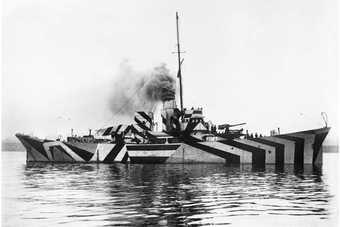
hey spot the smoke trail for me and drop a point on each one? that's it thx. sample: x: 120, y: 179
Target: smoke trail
x: 134, y: 91
x: 160, y: 86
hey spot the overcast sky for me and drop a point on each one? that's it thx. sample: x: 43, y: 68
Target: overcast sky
x: 268, y: 63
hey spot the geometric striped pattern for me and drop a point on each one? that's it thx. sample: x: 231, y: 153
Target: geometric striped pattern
x: 112, y: 130
x: 57, y: 151
x: 143, y: 121
x: 294, y: 148
x: 258, y: 154
x: 299, y: 148
x: 151, y: 153
x: 278, y: 148
x: 143, y: 124
x: 230, y: 158
x: 193, y: 113
x: 112, y: 155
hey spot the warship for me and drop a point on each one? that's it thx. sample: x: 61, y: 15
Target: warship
x: 186, y: 137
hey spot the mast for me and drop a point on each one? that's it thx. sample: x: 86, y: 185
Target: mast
x: 179, y: 74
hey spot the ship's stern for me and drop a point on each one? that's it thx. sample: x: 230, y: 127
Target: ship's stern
x: 35, y: 151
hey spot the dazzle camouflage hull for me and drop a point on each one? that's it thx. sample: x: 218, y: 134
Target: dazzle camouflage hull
x: 299, y: 148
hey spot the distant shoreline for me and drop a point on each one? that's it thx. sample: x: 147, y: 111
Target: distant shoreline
x: 12, y: 146
x: 330, y: 148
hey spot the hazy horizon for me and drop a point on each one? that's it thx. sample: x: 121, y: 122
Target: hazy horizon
x: 270, y: 64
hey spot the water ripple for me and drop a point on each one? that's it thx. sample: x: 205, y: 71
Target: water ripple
x: 162, y: 195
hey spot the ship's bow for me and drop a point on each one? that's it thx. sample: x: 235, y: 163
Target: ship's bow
x: 308, y: 145
x: 320, y: 136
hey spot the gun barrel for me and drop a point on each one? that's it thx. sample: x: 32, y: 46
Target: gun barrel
x: 228, y: 125
x: 237, y: 124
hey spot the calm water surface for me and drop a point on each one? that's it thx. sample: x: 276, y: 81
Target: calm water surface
x: 169, y: 195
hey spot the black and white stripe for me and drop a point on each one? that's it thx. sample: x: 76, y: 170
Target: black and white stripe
x: 143, y: 121
x: 294, y: 148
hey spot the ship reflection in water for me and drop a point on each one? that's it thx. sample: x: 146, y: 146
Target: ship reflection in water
x: 117, y: 194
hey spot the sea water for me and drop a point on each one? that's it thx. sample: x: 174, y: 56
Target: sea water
x: 170, y: 195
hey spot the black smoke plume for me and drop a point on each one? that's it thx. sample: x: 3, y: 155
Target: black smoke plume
x: 135, y: 91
